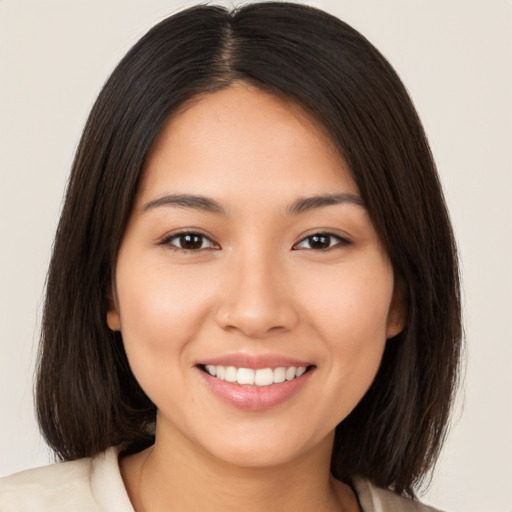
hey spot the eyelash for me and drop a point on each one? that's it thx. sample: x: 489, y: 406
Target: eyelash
x: 201, y: 238
x: 340, y: 241
x: 167, y: 241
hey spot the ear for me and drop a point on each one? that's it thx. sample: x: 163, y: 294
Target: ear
x: 113, y: 317
x: 397, y: 313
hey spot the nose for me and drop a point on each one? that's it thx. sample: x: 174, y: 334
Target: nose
x: 257, y: 299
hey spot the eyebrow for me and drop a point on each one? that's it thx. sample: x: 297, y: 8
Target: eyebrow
x: 311, y: 203
x: 186, y: 201
x: 209, y: 205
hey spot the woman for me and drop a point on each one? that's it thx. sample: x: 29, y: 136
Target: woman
x: 253, y: 300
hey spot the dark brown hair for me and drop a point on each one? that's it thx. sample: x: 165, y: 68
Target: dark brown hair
x: 87, y: 396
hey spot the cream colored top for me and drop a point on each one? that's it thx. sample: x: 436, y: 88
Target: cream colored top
x: 95, y: 485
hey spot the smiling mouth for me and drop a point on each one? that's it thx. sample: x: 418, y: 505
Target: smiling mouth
x: 260, y: 377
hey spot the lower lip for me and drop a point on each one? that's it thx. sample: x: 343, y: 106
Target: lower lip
x: 255, y: 398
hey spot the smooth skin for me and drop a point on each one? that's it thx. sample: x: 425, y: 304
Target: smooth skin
x: 249, y: 268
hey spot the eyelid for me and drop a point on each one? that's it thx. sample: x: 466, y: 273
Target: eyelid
x: 343, y: 241
x: 165, y: 241
x: 168, y: 238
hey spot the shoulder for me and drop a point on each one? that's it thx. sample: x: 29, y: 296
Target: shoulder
x: 64, y: 486
x: 375, y: 499
x: 85, y: 485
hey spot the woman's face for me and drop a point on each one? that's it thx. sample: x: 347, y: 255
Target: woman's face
x: 249, y: 257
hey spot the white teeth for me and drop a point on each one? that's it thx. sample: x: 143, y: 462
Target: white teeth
x: 290, y: 373
x: 279, y: 375
x: 220, y: 371
x: 260, y: 377
x: 211, y: 369
x: 300, y: 371
x: 230, y: 374
x: 245, y: 376
x: 264, y: 377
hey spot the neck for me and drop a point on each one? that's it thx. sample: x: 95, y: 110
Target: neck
x: 166, y: 477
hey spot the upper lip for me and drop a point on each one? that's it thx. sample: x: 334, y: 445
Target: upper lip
x: 255, y: 362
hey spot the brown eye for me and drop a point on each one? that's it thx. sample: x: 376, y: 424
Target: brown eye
x: 189, y: 242
x: 321, y: 242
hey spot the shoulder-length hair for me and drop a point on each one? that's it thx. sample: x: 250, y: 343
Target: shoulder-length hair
x: 87, y: 397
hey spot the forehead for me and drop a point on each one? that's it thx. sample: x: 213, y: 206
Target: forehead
x: 239, y: 135
x: 237, y: 104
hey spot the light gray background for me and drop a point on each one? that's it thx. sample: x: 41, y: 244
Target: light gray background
x: 455, y: 56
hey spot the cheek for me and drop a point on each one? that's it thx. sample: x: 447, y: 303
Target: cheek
x: 349, y: 311
x: 153, y: 296
x: 352, y: 303
x: 160, y: 310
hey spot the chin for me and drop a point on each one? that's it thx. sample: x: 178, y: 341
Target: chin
x: 264, y: 447
x: 256, y: 456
